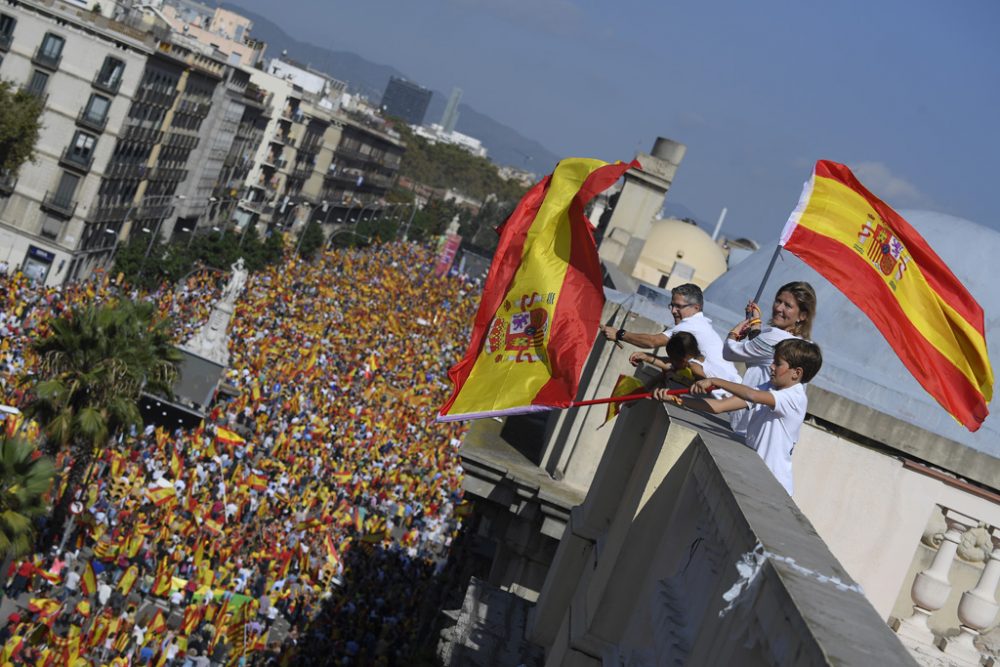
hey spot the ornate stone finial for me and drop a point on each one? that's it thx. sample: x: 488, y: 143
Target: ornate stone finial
x: 936, y: 527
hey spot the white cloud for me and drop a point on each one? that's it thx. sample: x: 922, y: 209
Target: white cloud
x: 877, y: 177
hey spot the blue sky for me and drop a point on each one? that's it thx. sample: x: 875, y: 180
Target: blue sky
x: 907, y: 93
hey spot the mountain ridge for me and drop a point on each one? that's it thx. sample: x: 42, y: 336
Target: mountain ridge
x: 505, y: 145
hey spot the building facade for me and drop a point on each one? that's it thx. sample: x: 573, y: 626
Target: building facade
x: 156, y: 152
x: 405, y: 99
x: 449, y: 119
x: 88, y: 71
x: 215, y: 27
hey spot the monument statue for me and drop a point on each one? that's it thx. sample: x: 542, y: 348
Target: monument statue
x: 237, y: 281
x: 212, y: 340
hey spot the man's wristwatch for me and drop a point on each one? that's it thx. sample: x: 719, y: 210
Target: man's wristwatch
x: 620, y: 335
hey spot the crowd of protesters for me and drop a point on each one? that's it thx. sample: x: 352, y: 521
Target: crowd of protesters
x: 310, y: 515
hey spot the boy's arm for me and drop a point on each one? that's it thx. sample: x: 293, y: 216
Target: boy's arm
x: 738, y: 390
x: 713, y: 405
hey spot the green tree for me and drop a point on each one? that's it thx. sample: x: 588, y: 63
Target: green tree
x: 25, y: 479
x: 312, y: 240
x: 138, y: 269
x: 20, y: 123
x: 93, y: 363
x: 273, y: 249
x: 251, y: 248
x: 447, y: 166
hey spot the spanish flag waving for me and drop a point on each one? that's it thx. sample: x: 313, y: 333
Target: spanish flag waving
x: 88, y: 582
x: 541, y: 303
x: 872, y: 255
x: 227, y: 437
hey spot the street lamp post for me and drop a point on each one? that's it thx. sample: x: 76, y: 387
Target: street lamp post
x: 337, y: 233
x: 156, y: 230
x: 406, y: 229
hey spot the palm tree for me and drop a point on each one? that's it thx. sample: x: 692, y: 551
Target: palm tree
x: 93, y: 364
x: 25, y: 479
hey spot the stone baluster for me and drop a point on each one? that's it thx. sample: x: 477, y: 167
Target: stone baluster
x: 931, y: 587
x: 977, y: 609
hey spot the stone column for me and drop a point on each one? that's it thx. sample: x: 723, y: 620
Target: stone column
x: 931, y: 587
x: 641, y: 199
x: 977, y: 610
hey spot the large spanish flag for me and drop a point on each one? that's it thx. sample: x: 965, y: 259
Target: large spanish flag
x: 872, y: 255
x: 541, y: 304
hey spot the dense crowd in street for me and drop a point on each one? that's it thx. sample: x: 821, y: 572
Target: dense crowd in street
x: 308, y: 520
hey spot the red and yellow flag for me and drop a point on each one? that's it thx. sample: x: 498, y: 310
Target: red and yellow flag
x: 541, y: 304
x: 625, y: 386
x: 872, y: 255
x: 88, y: 582
x: 164, y: 579
x: 176, y: 464
x: 161, y: 495
x: 256, y: 482
x: 158, y: 624
x: 225, y: 436
x: 127, y: 582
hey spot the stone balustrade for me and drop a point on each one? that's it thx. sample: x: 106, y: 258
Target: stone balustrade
x: 964, y: 538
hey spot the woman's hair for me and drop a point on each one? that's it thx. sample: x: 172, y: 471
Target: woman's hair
x: 805, y: 298
x: 683, y: 345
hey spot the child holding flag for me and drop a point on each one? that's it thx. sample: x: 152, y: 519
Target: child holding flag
x: 777, y: 408
x: 688, y: 363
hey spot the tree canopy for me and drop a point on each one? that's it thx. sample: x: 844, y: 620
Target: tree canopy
x: 20, y: 123
x: 447, y: 166
x: 25, y: 479
x: 93, y: 363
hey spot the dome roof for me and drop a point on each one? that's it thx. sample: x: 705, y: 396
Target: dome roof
x: 672, y: 241
x: 858, y: 364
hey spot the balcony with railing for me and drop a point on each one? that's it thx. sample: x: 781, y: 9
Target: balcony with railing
x: 283, y: 138
x: 353, y: 154
x: 106, y: 212
x: 92, y: 121
x: 127, y: 170
x: 168, y: 174
x: 59, y: 204
x: 147, y: 135
x: 76, y: 160
x: 302, y: 170
x: 46, y: 60
x: 105, y: 84
x: 311, y: 144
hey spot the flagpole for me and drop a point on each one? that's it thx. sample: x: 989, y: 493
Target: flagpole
x: 767, y: 274
x: 626, y: 398
x: 629, y: 301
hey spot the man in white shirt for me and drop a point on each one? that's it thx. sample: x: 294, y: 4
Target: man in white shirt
x: 686, y: 303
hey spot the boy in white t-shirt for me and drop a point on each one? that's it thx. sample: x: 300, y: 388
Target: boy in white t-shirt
x: 777, y: 408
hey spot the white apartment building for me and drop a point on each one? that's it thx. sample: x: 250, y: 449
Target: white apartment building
x: 309, y: 80
x: 86, y: 68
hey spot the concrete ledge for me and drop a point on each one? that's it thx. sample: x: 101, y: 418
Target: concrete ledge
x: 694, y: 503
